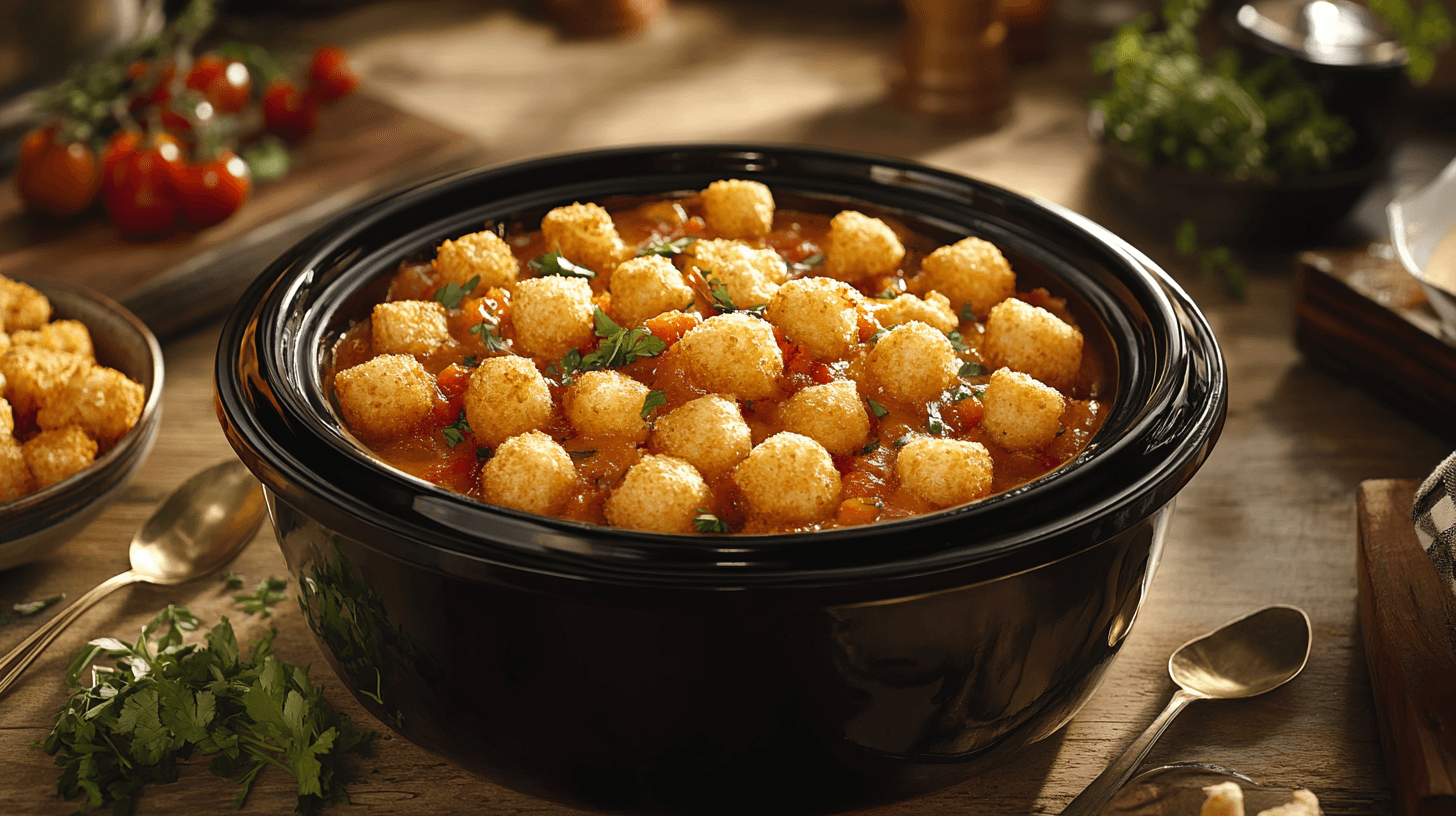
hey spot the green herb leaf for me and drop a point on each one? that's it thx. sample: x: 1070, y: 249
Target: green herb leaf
x: 705, y: 522
x: 553, y: 263
x: 470, y: 361
x: 809, y: 262
x: 723, y: 301
x: 961, y: 393
x: 955, y: 341
x: 232, y: 580
x: 489, y: 334
x: 877, y: 409
x: 888, y: 294
x: 875, y: 338
x: 455, y: 432
x: 267, y: 159
x: 967, y: 314
x: 451, y: 293
x: 483, y: 453
x: 654, y: 400
x: 972, y: 370
x: 902, y: 442
x: 269, y: 592
x: 869, y: 449
x: 580, y: 455
x: 668, y: 248
x: 32, y: 607
x: 935, y: 426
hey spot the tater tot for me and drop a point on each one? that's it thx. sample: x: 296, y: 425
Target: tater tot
x: 789, y: 478
x: 913, y: 362
x: 739, y: 209
x: 552, y: 315
x: 104, y: 402
x: 408, y: 327
x: 660, y: 494
x: 860, y: 247
x: 22, y: 307
x: 750, y: 275
x: 733, y: 354
x: 1034, y: 341
x: 7, y: 416
x: 585, y: 235
x: 831, y: 414
x: 934, y: 311
x: 819, y: 314
x: 529, y: 472
x: 506, y: 396
x: 389, y: 395
x: 33, y: 373
x: 1021, y: 413
x: 646, y: 287
x: 69, y: 336
x: 480, y: 254
x: 15, y: 478
x: 708, y: 432
x: 57, y: 454
x: 607, y: 403
x: 969, y: 271
x: 945, y: 472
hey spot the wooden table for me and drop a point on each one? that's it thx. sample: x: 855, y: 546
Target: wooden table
x: 1269, y: 519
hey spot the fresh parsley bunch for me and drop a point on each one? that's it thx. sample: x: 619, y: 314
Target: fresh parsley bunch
x: 1168, y: 107
x: 165, y: 701
x: 618, y: 347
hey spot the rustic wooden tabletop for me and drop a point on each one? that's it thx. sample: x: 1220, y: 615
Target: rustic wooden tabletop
x: 1269, y: 519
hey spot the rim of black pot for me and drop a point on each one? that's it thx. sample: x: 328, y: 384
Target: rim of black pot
x: 1169, y: 406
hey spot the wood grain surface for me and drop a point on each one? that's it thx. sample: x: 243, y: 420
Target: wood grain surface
x: 1408, y: 618
x: 1269, y: 519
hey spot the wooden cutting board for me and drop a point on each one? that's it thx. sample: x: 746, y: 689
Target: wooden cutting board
x: 1408, y: 621
x: 1361, y: 318
x: 363, y: 147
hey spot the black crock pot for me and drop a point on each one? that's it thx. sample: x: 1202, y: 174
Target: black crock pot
x: 639, y: 672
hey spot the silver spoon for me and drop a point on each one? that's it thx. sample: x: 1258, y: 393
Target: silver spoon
x: 206, y: 521
x: 1243, y: 658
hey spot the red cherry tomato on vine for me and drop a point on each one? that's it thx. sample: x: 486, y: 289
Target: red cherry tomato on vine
x: 159, y: 89
x: 139, y: 190
x: 211, y: 191
x: 223, y: 82
x: 329, y: 73
x: 289, y: 112
x: 54, y: 177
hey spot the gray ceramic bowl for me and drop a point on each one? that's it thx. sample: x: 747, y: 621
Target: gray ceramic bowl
x: 33, y: 525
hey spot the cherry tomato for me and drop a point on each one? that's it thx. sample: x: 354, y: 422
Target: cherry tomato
x: 125, y: 142
x: 139, y: 190
x: 329, y: 73
x: 56, y: 178
x: 211, y: 191
x: 158, y: 91
x: 225, y: 83
x: 289, y: 112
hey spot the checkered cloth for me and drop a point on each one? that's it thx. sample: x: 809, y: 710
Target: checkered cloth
x: 1435, y: 516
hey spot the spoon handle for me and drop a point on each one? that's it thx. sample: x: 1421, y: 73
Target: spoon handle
x: 1090, y: 801
x: 30, y: 648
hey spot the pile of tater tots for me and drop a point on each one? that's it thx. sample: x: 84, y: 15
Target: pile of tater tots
x: 708, y: 363
x: 59, y: 408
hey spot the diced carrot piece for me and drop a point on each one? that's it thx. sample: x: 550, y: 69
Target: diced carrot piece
x: 857, y: 511
x: 453, y: 380
x: 671, y: 326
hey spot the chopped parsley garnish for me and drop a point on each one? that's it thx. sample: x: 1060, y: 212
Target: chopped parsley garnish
x: 809, y: 262
x: 489, y: 334
x: 269, y: 592
x: 935, y: 425
x: 705, y: 522
x: 1060, y: 431
x: 878, y: 409
x: 955, y: 341
x: 165, y: 702
x: 232, y: 580
x: 668, y: 248
x: 552, y: 263
x: 971, y: 370
x: 579, y: 455
x: 654, y: 400
x: 471, y: 361
x: 723, y: 301
x: 455, y: 432
x: 869, y: 449
x: 619, y: 347
x: 483, y: 453
x: 968, y: 314
x: 888, y: 294
x: 451, y: 293
x: 961, y: 393
x: 875, y: 338
x: 902, y: 441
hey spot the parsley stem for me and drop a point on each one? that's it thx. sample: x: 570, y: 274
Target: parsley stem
x: 260, y: 743
x: 270, y: 760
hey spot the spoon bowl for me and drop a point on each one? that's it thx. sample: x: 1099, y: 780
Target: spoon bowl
x: 1245, y: 657
x: 200, y: 527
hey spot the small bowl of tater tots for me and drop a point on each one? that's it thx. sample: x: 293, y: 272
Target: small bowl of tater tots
x: 80, y: 406
x: 719, y: 478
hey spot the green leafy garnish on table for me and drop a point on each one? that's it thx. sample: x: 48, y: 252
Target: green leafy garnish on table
x: 28, y: 608
x: 269, y: 592
x: 232, y: 580
x: 1167, y: 106
x: 553, y: 263
x: 1423, y: 33
x: 619, y: 347
x: 166, y: 701
x: 452, y: 293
